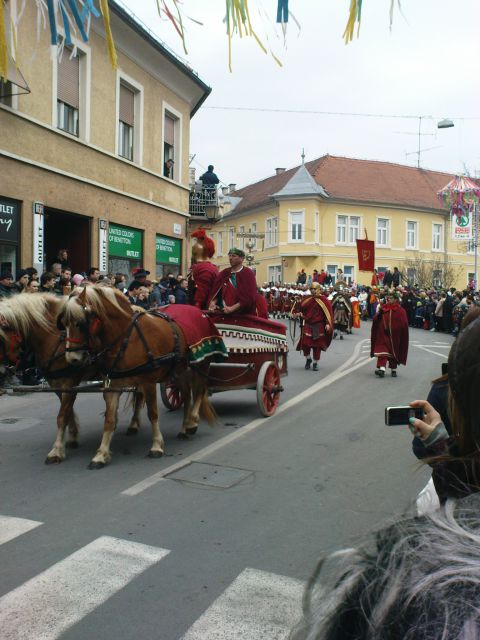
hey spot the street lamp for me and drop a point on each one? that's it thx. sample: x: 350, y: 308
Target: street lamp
x: 446, y: 123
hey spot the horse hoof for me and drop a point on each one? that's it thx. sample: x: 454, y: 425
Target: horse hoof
x: 192, y: 430
x: 182, y: 436
x: 53, y: 460
x: 155, y: 454
x: 96, y: 465
x: 131, y: 431
x: 72, y: 445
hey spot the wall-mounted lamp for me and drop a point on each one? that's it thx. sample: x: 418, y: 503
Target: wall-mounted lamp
x: 445, y: 124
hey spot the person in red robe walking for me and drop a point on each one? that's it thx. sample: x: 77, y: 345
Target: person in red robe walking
x: 389, y: 337
x: 317, y: 329
x: 235, y: 288
x: 203, y: 273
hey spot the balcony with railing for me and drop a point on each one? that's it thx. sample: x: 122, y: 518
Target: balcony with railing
x: 203, y: 202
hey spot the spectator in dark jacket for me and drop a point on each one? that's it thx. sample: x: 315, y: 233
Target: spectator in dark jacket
x: 396, y: 277
x: 181, y: 293
x: 388, y: 278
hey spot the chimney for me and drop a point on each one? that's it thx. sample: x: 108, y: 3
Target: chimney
x: 231, y: 187
x: 225, y: 191
x: 279, y: 170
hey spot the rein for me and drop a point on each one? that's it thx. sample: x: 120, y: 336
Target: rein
x: 152, y: 363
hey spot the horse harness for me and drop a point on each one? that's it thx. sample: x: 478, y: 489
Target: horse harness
x: 153, y: 362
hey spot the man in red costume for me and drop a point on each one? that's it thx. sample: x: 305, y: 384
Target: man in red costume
x: 389, y: 339
x: 235, y: 289
x: 317, y: 330
x: 203, y: 273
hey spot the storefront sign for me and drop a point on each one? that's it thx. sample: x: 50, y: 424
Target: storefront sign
x: 38, y: 236
x: 102, y: 246
x: 168, y: 250
x: 9, y: 220
x: 124, y: 242
x: 462, y: 225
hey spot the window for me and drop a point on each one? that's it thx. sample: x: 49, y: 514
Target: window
x: 437, y: 237
x: 126, y: 121
x: 332, y: 270
x: 231, y: 237
x: 437, y: 278
x: 353, y: 229
x: 348, y: 274
x: 295, y: 226
x: 383, y: 232
x: 411, y: 275
x: 471, y: 247
x: 411, y: 234
x: 348, y: 229
x: 271, y: 232
x: 342, y: 229
x: 253, y: 241
x: 220, y: 244
x: 241, y: 241
x: 275, y: 273
x: 129, y: 119
x: 68, y: 92
x: 6, y: 89
x: 172, y: 141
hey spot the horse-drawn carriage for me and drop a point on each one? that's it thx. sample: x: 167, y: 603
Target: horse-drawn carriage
x: 257, y: 359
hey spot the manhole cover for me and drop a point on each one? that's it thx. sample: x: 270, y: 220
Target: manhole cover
x: 210, y: 475
x: 9, y: 420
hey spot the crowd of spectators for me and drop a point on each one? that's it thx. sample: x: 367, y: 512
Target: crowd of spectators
x: 60, y: 280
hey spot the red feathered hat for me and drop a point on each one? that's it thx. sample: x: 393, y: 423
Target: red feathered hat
x: 206, y: 242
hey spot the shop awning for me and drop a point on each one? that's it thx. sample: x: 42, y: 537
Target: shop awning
x: 18, y: 85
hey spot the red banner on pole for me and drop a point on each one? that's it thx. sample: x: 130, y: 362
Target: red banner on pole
x: 366, y: 255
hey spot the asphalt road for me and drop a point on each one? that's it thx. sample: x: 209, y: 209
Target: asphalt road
x: 217, y: 538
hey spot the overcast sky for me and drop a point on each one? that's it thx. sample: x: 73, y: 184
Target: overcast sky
x: 426, y: 66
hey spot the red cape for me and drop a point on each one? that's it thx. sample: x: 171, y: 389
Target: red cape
x: 204, y: 275
x: 315, y: 311
x: 390, y: 333
x: 245, y: 293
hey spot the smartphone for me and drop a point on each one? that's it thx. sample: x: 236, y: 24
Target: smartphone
x: 398, y: 416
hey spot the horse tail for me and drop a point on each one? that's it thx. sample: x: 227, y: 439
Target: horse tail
x: 207, y: 411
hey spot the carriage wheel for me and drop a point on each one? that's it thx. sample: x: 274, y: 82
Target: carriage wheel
x: 171, y: 396
x: 268, y: 388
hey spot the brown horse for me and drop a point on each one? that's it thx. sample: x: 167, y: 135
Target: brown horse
x: 30, y: 321
x: 132, y: 348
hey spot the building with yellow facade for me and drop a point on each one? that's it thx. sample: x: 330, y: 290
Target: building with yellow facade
x: 82, y: 155
x: 312, y: 215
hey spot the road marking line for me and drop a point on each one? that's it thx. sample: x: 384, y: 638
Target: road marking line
x: 11, y: 528
x: 340, y: 372
x: 44, y: 607
x: 435, y: 353
x: 256, y: 605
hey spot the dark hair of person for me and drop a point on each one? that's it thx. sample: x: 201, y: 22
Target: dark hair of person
x: 416, y: 579
x: 45, y: 277
x: 92, y: 270
x: 31, y: 271
x: 135, y: 284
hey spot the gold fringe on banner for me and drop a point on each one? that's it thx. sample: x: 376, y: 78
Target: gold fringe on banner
x: 355, y: 14
x: 112, y: 52
x: 3, y: 46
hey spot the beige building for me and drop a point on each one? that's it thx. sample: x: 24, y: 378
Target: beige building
x: 82, y: 155
x: 312, y: 215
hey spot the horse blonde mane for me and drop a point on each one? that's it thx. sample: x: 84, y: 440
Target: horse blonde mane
x: 98, y: 300
x: 27, y: 310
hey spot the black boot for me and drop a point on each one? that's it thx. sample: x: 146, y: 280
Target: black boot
x: 315, y: 366
x: 308, y: 363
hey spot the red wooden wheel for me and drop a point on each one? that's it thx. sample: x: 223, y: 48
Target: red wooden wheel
x: 268, y: 388
x: 171, y: 396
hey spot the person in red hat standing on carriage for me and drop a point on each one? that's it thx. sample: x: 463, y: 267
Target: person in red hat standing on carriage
x: 317, y: 330
x: 203, y: 273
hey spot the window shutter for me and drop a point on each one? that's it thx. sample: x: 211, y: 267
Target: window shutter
x: 127, y: 105
x: 169, y: 131
x: 68, y: 79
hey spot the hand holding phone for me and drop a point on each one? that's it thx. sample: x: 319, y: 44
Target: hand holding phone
x: 431, y: 418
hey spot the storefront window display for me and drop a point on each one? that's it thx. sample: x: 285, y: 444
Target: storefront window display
x: 168, y: 255
x: 9, y: 234
x: 125, y: 249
